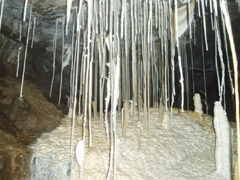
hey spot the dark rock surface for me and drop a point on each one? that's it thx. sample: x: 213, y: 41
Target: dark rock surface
x: 21, y: 122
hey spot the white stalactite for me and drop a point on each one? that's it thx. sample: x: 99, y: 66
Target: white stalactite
x: 61, y: 76
x: 33, y: 31
x: 68, y: 14
x: 179, y: 56
x: 25, y: 55
x: 18, y: 59
x: 25, y: 10
x: 204, y: 24
x: 54, y: 57
x: 1, y: 13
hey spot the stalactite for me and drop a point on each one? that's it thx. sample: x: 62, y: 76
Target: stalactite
x: 204, y: 24
x: 19, y: 48
x: 204, y: 72
x: 54, y: 57
x: 134, y: 83
x: 1, y: 13
x: 38, y: 19
x: 107, y: 7
x: 194, y: 33
x: 126, y: 45
x: 68, y: 13
x: 90, y: 60
x: 186, y: 73
x: 145, y: 64
x: 18, y: 59
x: 189, y: 21
x: 20, y: 31
x: 179, y: 56
x: 172, y: 54
x: 82, y: 76
x: 227, y: 55
x: 95, y: 102
x: 165, y: 57
x: 122, y: 17
x: 107, y: 99
x: 25, y: 10
x: 76, y: 84
x: 102, y: 52
x: 192, y: 65
x: 75, y: 103
x: 216, y: 63
x: 220, y: 53
x: 211, y: 13
x: 33, y: 31
x: 61, y: 76
x: 71, y: 95
x: 25, y: 55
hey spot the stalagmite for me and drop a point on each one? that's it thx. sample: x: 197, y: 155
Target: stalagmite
x: 224, y: 9
x: 197, y: 104
x: 222, y: 152
x: 25, y: 55
x: 1, y: 13
x: 166, y: 121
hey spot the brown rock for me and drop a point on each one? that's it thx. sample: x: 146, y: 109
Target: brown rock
x: 23, y: 116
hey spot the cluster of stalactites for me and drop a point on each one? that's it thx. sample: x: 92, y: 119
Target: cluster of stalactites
x: 127, y: 54
x: 124, y: 52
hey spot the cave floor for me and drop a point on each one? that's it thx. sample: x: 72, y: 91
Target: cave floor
x: 183, y: 153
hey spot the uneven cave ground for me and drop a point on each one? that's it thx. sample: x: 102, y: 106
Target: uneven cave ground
x: 35, y: 142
